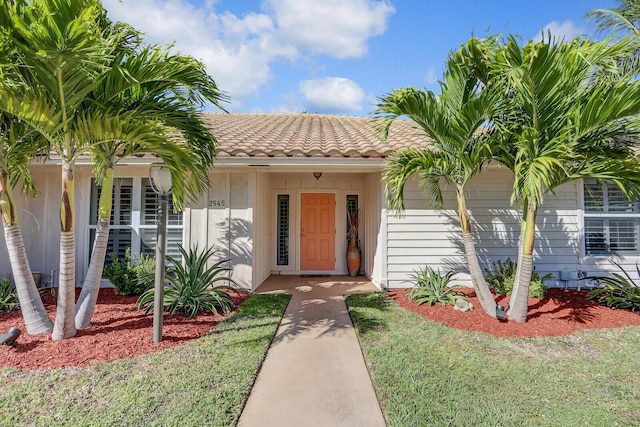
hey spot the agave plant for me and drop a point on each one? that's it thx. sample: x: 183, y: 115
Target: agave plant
x: 618, y: 290
x: 433, y: 287
x: 193, y: 286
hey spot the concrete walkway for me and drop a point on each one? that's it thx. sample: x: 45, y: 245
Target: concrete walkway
x: 314, y: 373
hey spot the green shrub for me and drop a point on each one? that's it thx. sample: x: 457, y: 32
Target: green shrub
x: 619, y: 290
x: 194, y: 287
x: 432, y: 287
x: 8, y: 297
x: 501, y: 277
x: 132, y: 276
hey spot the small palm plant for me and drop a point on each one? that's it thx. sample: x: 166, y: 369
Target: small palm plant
x: 619, y: 290
x: 433, y: 287
x: 193, y: 286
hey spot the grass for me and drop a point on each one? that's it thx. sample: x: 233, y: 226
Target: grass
x: 426, y: 373
x: 204, y: 382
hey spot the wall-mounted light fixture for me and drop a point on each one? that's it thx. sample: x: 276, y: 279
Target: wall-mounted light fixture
x: 317, y: 175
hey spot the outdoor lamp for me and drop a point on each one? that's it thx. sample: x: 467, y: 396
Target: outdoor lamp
x: 160, y: 177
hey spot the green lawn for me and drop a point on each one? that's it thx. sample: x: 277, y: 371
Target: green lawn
x: 427, y: 374
x: 204, y: 382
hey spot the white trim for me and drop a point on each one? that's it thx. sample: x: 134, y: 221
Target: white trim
x: 582, y: 249
x: 302, y: 164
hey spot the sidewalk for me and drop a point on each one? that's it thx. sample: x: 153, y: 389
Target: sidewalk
x: 314, y: 373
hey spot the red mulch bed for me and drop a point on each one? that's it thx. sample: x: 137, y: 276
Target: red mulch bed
x: 561, y: 312
x: 118, y: 330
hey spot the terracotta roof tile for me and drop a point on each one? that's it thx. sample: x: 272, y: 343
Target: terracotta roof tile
x: 307, y: 135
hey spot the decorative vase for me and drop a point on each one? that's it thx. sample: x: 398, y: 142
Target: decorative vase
x: 353, y: 258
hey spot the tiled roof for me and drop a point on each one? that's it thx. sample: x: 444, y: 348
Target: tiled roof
x: 307, y: 135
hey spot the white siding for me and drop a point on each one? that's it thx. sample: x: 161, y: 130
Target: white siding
x: 39, y: 221
x: 264, y: 223
x: 374, y: 226
x: 426, y: 236
x: 223, y: 219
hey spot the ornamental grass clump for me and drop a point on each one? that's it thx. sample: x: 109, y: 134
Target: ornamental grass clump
x: 432, y: 287
x: 193, y: 286
x: 618, y: 290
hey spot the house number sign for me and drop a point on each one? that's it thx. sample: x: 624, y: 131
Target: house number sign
x: 217, y: 203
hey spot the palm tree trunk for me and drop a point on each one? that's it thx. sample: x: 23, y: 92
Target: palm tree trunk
x: 519, y: 303
x: 477, y: 278
x: 86, y: 303
x: 36, y: 319
x: 516, y: 279
x: 64, y: 326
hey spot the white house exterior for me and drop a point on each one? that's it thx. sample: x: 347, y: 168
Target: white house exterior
x: 267, y: 193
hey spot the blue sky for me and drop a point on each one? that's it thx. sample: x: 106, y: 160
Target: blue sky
x: 336, y: 56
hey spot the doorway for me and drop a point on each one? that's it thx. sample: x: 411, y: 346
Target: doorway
x: 317, y: 231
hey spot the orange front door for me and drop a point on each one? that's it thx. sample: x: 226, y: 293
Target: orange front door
x: 317, y: 232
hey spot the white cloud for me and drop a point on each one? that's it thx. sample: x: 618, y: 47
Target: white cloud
x: 331, y: 94
x: 239, y: 50
x: 561, y: 31
x: 337, y: 28
x: 430, y: 75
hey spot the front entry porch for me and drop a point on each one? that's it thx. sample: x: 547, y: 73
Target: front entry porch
x: 301, y: 222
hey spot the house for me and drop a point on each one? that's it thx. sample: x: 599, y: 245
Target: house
x: 280, y: 191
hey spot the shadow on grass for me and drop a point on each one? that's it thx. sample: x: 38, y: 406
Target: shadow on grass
x: 366, y: 311
x: 263, y: 305
x: 260, y: 309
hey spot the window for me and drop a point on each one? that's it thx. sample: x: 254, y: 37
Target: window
x: 283, y: 230
x: 133, y: 219
x: 352, y: 207
x: 611, y: 222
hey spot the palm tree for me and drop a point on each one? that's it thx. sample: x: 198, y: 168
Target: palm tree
x: 92, y: 95
x: 66, y: 52
x: 458, y: 122
x: 16, y: 149
x: 623, y: 19
x: 158, y: 86
x: 562, y: 125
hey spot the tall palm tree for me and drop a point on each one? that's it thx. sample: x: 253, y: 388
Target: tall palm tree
x: 17, y: 147
x: 624, y: 21
x: 458, y: 122
x: 98, y: 97
x: 157, y: 86
x: 562, y: 126
x: 66, y: 53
